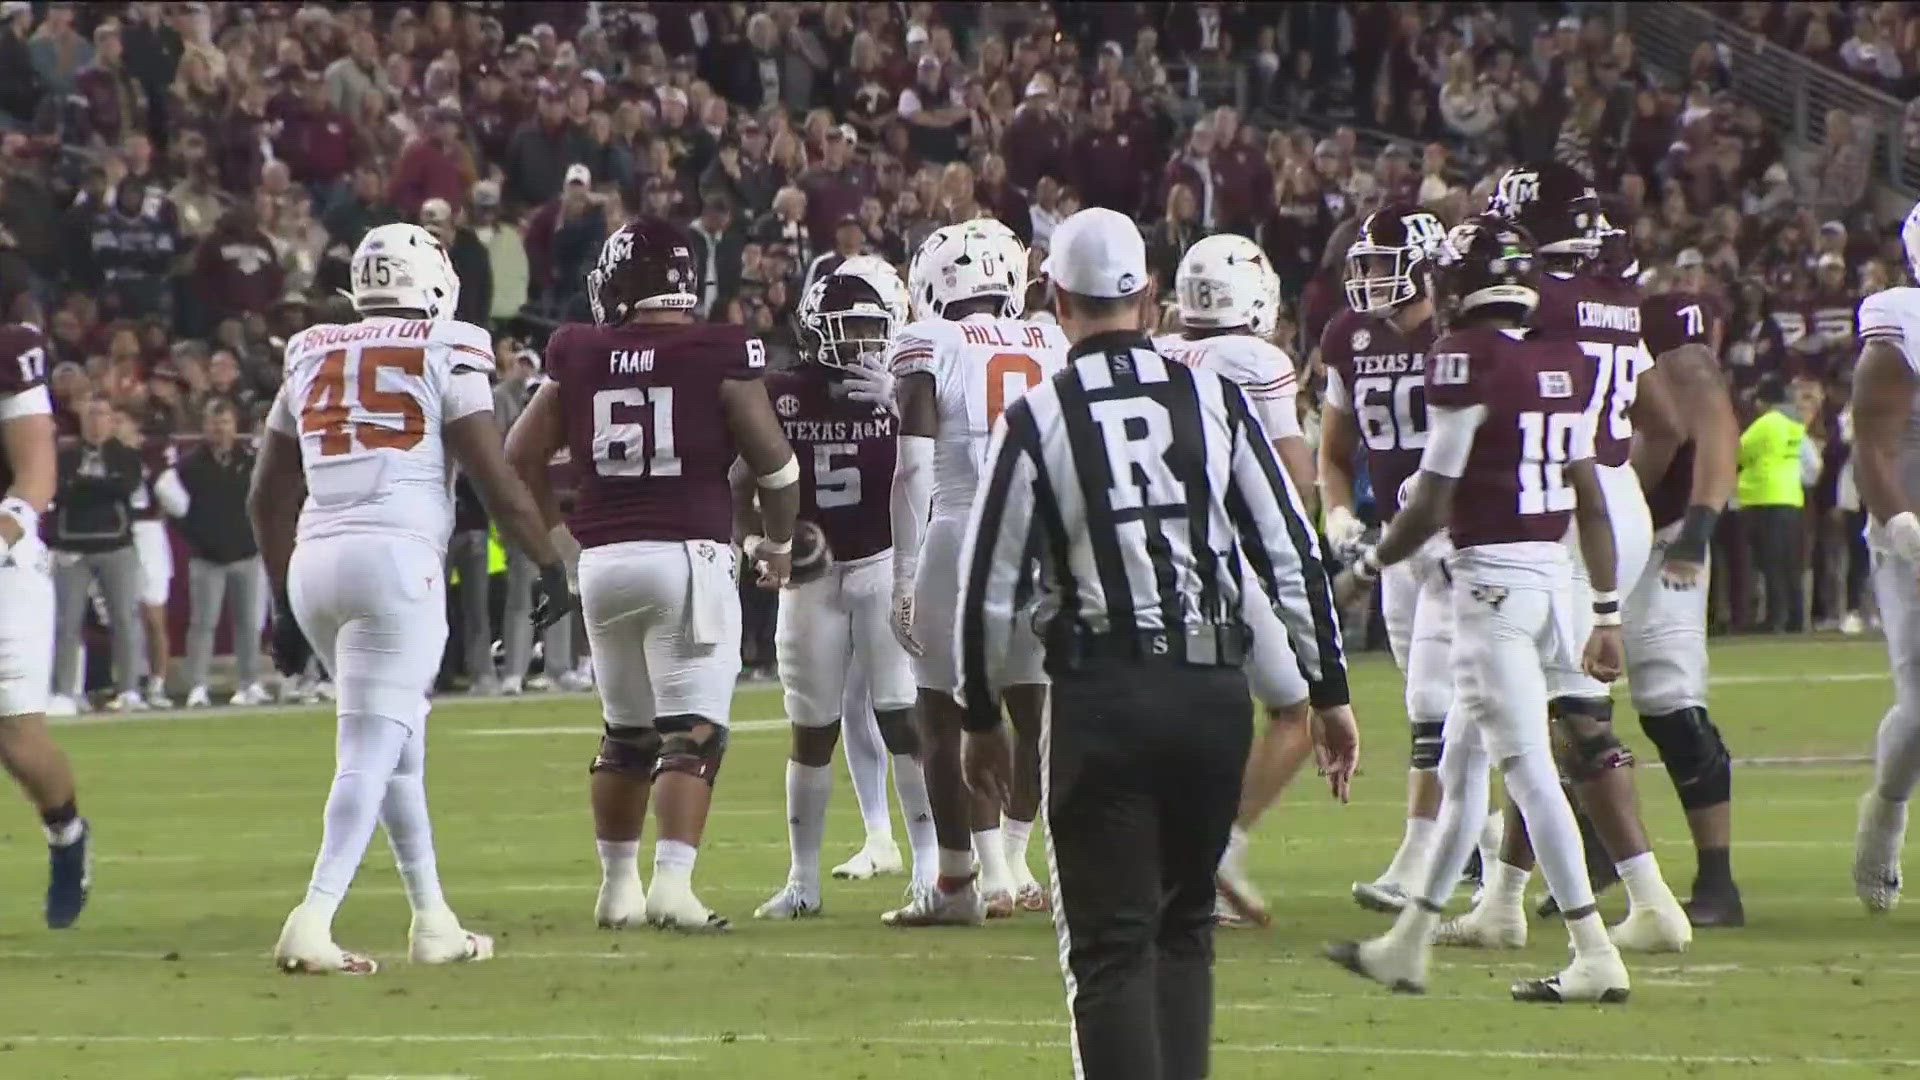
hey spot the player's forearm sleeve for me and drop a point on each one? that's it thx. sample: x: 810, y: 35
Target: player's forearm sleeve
x: 912, y: 501
x: 1284, y: 554
x: 994, y: 561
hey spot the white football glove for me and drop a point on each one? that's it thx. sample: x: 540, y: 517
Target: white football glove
x: 1343, y: 530
x: 871, y: 382
x: 902, y: 619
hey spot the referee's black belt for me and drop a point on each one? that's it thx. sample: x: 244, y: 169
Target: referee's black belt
x: 1076, y: 648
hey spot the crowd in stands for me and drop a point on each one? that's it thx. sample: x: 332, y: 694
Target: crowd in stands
x: 181, y: 184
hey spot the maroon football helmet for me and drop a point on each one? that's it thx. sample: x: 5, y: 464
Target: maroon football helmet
x: 1490, y: 260
x: 1390, y: 258
x: 1555, y: 205
x: 646, y: 264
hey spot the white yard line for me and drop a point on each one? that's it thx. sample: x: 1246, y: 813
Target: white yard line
x: 567, y: 1056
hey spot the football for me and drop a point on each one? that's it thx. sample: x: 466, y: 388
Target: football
x: 811, y: 556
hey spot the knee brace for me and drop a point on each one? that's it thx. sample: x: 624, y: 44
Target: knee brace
x: 898, y: 731
x: 1583, y: 738
x: 632, y: 751
x: 1696, y: 758
x: 690, y: 744
x: 1426, y: 745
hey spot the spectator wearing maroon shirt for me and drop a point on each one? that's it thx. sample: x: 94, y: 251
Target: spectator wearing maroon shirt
x: 1037, y: 140
x: 1296, y: 228
x: 235, y: 271
x: 116, y: 102
x: 435, y: 165
x: 1002, y: 199
x: 1192, y: 168
x: 1106, y: 160
x: 318, y: 144
x: 833, y: 187
x: 563, y: 237
x: 1242, y: 183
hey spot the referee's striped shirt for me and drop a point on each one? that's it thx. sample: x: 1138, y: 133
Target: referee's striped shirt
x: 1131, y: 493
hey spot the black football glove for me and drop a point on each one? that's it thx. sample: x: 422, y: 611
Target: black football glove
x: 554, y: 599
x: 286, y: 640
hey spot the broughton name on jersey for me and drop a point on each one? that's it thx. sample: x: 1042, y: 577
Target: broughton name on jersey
x: 1608, y: 316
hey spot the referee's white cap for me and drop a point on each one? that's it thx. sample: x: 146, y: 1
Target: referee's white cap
x: 1097, y: 252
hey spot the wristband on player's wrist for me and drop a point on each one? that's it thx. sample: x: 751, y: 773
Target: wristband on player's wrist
x: 1696, y: 532
x: 1606, y: 608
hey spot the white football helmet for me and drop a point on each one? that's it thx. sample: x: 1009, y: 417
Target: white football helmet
x: 973, y: 259
x: 1224, y: 281
x: 1910, y: 240
x: 403, y: 266
x: 885, y: 280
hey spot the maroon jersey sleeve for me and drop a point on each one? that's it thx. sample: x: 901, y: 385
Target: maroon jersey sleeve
x: 736, y: 355
x: 1671, y: 320
x: 1458, y: 370
x: 23, y: 366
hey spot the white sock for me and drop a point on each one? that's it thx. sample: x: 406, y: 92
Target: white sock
x: 619, y: 859
x: 955, y: 864
x: 808, y: 789
x: 1896, y: 754
x: 1534, y: 786
x: 1504, y: 883
x: 867, y: 765
x: 1589, y: 935
x: 1463, y: 775
x: 410, y: 829
x: 366, y: 750
x: 990, y: 847
x: 1414, y: 926
x: 910, y: 785
x: 673, y: 863
x: 1409, y: 863
x: 1641, y: 875
x: 1017, y: 834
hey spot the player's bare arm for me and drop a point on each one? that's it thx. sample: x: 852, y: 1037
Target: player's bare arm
x: 1658, y: 426
x: 746, y: 508
x: 475, y: 443
x: 1339, y: 439
x: 1883, y: 388
x: 30, y: 450
x: 1424, y: 514
x: 273, y: 502
x: 1296, y: 457
x: 1700, y: 392
x: 537, y: 435
x: 775, y: 471
x: 912, y: 498
x: 1605, y: 652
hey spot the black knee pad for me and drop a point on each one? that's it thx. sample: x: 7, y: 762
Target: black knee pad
x: 690, y: 744
x: 1584, y: 741
x: 898, y: 732
x: 1426, y: 745
x: 633, y: 751
x: 1696, y: 758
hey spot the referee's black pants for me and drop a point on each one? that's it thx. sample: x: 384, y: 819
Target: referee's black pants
x: 1142, y: 764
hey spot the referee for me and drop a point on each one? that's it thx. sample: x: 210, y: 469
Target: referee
x: 1123, y: 503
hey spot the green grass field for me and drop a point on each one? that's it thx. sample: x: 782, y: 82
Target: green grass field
x: 206, y: 827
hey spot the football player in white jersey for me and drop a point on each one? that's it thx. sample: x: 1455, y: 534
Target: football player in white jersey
x: 28, y: 479
x: 1229, y: 298
x: 365, y: 432
x: 1886, y: 428
x: 965, y: 358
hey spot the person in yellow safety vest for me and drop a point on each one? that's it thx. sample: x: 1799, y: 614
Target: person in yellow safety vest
x: 1772, y: 500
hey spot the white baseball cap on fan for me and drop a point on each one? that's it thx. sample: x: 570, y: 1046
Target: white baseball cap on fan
x: 1097, y: 252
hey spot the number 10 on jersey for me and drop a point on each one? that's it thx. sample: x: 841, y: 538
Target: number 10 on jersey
x: 1546, y: 445
x: 633, y: 432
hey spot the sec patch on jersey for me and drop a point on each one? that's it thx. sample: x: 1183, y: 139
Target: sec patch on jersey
x: 812, y: 558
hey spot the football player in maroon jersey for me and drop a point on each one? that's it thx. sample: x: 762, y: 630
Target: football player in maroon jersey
x: 1509, y: 462
x: 27, y: 483
x: 1666, y: 613
x: 634, y: 399
x: 1599, y: 311
x: 836, y: 408
x: 1375, y: 353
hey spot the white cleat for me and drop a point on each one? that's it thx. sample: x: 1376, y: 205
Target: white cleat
x: 577, y: 681
x: 251, y: 696
x: 1400, y: 969
x: 876, y: 859
x: 999, y: 903
x: 438, y: 938
x: 306, y: 948
x: 1876, y: 853
x: 539, y: 684
x: 622, y: 904
x: 1032, y: 896
x: 62, y: 705
x: 1653, y: 928
x: 128, y: 701
x: 156, y: 693
x: 1598, y: 978
x: 676, y: 908
x: 197, y: 698
x: 791, y: 902
x: 931, y: 906
x: 512, y: 686
x: 1383, y: 895
x: 1485, y: 927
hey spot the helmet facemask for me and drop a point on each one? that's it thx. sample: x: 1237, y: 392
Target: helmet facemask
x: 1379, y: 278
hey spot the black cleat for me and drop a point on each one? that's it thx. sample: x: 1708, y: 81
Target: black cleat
x: 1716, y: 908
x: 1548, y: 991
x: 69, y: 878
x: 1347, y: 955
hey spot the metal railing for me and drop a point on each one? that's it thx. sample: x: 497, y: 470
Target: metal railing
x: 1794, y: 94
